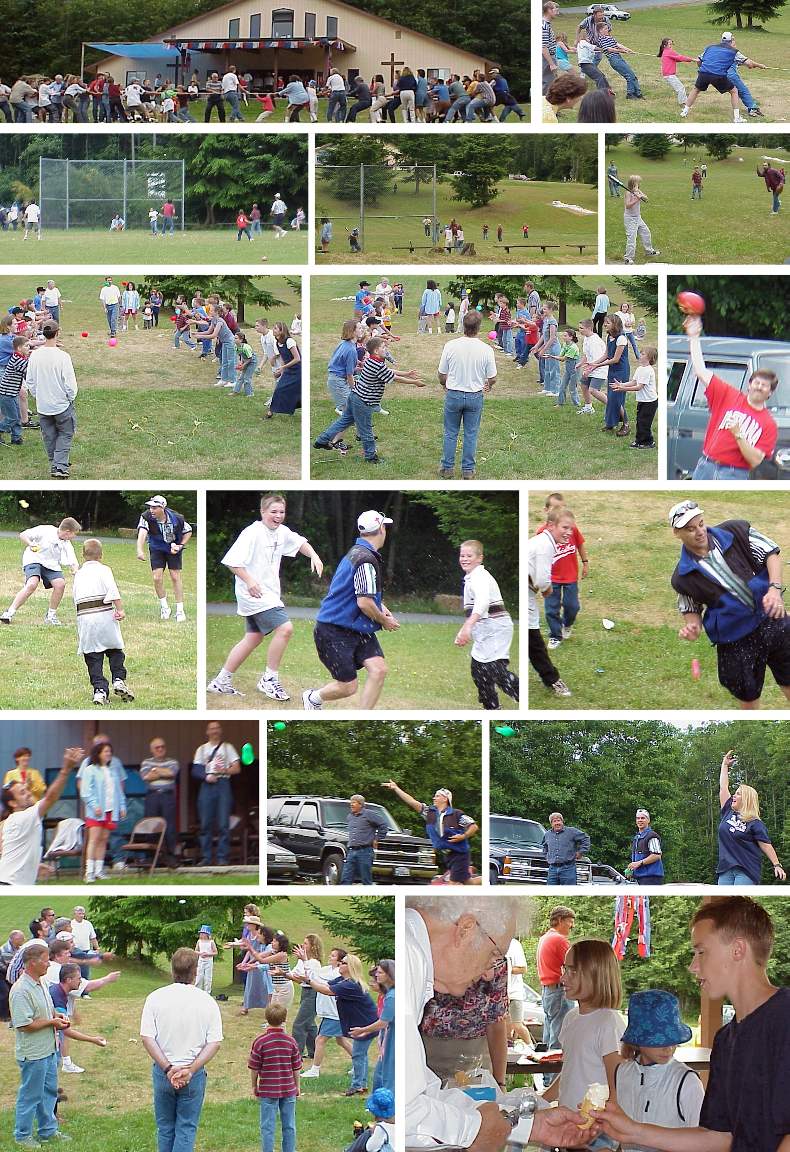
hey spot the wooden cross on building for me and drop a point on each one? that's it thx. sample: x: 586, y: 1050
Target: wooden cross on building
x: 392, y: 64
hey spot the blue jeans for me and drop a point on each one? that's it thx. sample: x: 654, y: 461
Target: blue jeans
x: 215, y: 802
x: 626, y: 71
x: 286, y: 1106
x: 561, y: 874
x: 748, y: 100
x: 154, y: 228
x: 361, y: 415
x: 562, y: 608
x: 359, y: 1063
x: 519, y: 342
x: 472, y: 107
x: 338, y: 389
x: 233, y: 100
x: 514, y: 107
x: 696, y: 191
x: 632, y: 341
x: 358, y: 861
x: 507, y: 341
x: 733, y: 876
x: 112, y: 317
x: 37, y: 1096
x: 551, y: 371
x: 614, y: 189
x: 177, y: 1113
x: 569, y: 384
x: 457, y: 108
x: 707, y: 469
x: 244, y: 378
x: 466, y: 407
x: 169, y: 225
x: 11, y: 420
x: 255, y: 228
x: 54, y: 311
x: 227, y: 362
x: 336, y: 108
x: 183, y: 334
x: 556, y: 1006
x: 776, y: 203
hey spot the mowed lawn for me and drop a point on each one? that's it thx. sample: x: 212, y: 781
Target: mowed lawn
x: 41, y: 668
x: 702, y: 231
x: 518, y: 203
x: 145, y: 408
x: 110, y: 1107
x: 217, y: 246
x: 426, y: 670
x: 642, y: 662
x: 251, y: 111
x: 691, y: 30
x: 523, y: 435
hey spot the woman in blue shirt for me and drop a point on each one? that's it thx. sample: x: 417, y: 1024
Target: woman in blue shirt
x: 600, y: 308
x: 743, y: 838
x: 384, y: 1027
x: 342, y: 365
x: 356, y: 1011
x: 431, y: 305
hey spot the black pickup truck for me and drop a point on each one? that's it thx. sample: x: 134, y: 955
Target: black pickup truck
x: 515, y: 855
x: 314, y: 828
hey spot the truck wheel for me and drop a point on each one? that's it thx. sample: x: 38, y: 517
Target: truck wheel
x: 493, y: 875
x: 332, y: 868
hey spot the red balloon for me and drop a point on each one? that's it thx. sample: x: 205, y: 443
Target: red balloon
x: 691, y: 303
x: 83, y: 334
x: 174, y: 318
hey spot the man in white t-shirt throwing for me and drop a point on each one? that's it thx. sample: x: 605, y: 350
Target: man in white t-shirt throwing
x: 467, y: 370
x: 181, y: 1030
x: 20, y: 848
x: 254, y: 559
x: 32, y: 220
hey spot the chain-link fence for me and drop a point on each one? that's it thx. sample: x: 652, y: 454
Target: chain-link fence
x: 90, y: 193
x: 379, y: 206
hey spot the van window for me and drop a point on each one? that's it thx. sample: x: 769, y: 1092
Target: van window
x: 309, y: 812
x: 287, y: 813
x: 781, y: 366
x: 735, y: 374
x: 676, y: 370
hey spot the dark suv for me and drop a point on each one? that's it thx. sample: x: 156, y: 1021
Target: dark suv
x: 314, y: 828
x: 515, y: 855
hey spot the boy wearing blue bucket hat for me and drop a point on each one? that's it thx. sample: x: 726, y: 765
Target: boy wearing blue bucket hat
x: 381, y: 1105
x: 652, y: 1085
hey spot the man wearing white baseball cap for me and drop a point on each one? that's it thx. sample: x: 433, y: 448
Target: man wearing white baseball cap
x: 167, y: 534
x: 729, y: 582
x: 351, y: 614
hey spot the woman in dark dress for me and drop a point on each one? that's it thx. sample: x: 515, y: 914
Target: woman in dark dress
x: 287, y: 395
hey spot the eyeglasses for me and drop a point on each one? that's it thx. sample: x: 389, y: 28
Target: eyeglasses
x: 498, y: 953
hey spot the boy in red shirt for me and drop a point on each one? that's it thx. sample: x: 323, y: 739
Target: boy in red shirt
x: 274, y: 1064
x: 243, y: 226
x: 562, y: 604
x: 741, y: 432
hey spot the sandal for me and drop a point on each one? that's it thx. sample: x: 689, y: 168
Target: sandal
x: 624, y: 430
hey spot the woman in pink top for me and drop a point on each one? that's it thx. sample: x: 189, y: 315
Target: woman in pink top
x: 669, y: 68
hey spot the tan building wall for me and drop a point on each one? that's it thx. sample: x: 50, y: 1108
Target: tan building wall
x: 374, y: 40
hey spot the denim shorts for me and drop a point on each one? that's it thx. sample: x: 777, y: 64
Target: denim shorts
x: 266, y: 622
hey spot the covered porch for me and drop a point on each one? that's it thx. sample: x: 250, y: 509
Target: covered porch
x: 268, y: 61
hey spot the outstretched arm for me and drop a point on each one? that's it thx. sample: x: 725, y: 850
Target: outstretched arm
x: 71, y: 758
x: 724, y: 777
x: 693, y: 329
x: 404, y: 796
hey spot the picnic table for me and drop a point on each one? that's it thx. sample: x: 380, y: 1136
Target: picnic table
x: 529, y: 1061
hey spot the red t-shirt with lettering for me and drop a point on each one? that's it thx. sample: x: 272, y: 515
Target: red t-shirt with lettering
x: 552, y: 950
x: 727, y: 405
x: 565, y: 567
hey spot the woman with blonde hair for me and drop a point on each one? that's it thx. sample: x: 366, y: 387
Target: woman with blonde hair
x: 743, y: 838
x: 356, y: 1010
x: 304, y: 1028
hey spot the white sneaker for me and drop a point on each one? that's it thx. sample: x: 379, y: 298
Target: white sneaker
x: 222, y: 688
x: 165, y: 612
x: 118, y: 866
x: 560, y: 688
x: 585, y: 410
x: 566, y: 633
x: 684, y: 111
x: 120, y: 688
x: 51, y: 618
x: 88, y: 879
x: 553, y: 643
x: 6, y: 617
x: 272, y: 688
x: 737, y: 118
x: 307, y: 702
x: 312, y: 1073
x: 181, y: 616
x: 100, y: 696
x: 69, y: 1066
x: 383, y: 412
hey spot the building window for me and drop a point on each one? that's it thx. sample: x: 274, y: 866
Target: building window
x: 331, y: 27
x: 309, y: 25
x: 438, y: 73
x: 398, y: 34
x: 282, y: 22
x: 234, y: 28
x: 255, y: 26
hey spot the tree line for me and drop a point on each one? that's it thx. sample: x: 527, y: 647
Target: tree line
x: 96, y: 510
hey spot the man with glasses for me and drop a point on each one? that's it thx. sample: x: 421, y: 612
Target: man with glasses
x: 729, y: 582
x: 450, y: 942
x: 553, y: 947
x: 741, y: 432
x: 160, y: 772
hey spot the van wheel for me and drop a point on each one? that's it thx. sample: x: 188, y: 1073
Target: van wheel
x: 332, y: 868
x: 493, y: 875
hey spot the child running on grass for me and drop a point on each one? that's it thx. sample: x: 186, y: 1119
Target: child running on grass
x: 47, y: 548
x: 644, y: 384
x: 99, y: 613
x: 489, y: 626
x: 634, y: 224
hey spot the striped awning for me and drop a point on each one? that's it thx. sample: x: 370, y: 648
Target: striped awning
x: 258, y: 45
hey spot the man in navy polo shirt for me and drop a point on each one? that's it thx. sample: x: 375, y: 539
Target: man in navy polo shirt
x: 167, y: 535
x: 351, y: 614
x: 647, y: 866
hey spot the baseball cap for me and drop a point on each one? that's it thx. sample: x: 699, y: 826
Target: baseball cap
x: 446, y: 793
x: 372, y: 521
x: 157, y: 502
x: 726, y: 36
x: 680, y: 514
x: 643, y: 812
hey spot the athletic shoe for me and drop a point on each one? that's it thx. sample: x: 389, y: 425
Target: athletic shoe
x: 312, y: 1073
x: 70, y: 1066
x: 553, y: 643
x: 308, y: 703
x: 222, y: 688
x: 372, y: 459
x: 165, y: 612
x: 340, y: 413
x: 181, y: 616
x: 752, y: 112
x: 60, y: 474
x: 6, y: 618
x: 467, y: 475
x: 560, y: 688
x: 341, y: 447
x: 118, y: 866
x: 684, y: 111
x: 322, y: 444
x: 383, y: 412
x: 627, y: 260
x: 51, y: 618
x: 100, y: 696
x: 120, y: 689
x: 31, y: 1142
x: 646, y: 447
x: 653, y: 252
x: 34, y: 424
x: 585, y: 410
x: 446, y: 473
x: 60, y: 1135
x: 272, y: 688
x: 566, y: 633
x: 737, y: 118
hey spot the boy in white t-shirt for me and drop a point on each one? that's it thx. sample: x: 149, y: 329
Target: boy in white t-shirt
x: 644, y: 384
x: 47, y: 549
x: 593, y: 348
x: 488, y: 625
x: 254, y: 558
x: 32, y: 220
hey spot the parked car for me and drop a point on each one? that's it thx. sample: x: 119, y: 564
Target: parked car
x: 281, y: 865
x: 515, y: 855
x: 533, y: 1012
x: 314, y: 828
x: 733, y: 360
x: 610, y: 11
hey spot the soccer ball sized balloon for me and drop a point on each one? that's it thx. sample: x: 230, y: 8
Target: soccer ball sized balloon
x: 279, y: 725
x: 492, y: 335
x: 247, y: 754
x: 112, y: 341
x: 691, y: 303
x: 84, y: 335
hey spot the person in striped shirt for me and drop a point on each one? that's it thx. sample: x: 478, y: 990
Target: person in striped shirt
x: 549, y: 48
x: 10, y: 386
x: 274, y: 1064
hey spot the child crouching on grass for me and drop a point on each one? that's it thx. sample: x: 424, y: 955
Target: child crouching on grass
x: 644, y: 384
x: 274, y: 1064
x: 99, y: 613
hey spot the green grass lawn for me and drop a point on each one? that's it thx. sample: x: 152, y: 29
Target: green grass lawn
x: 160, y: 655
x: 517, y: 204
x: 145, y: 400
x: 702, y: 230
x: 523, y: 435
x: 110, y: 1105
x: 251, y: 110
x: 137, y: 246
x: 642, y: 662
x: 426, y: 670
x: 691, y: 30
x: 161, y: 877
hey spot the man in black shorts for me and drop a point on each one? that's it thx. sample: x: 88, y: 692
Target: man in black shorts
x: 716, y: 67
x: 729, y: 582
x: 351, y: 614
x: 167, y: 534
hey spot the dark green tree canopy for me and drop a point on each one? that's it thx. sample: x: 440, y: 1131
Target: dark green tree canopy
x: 736, y: 306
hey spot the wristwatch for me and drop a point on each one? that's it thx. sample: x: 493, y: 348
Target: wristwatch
x: 779, y: 587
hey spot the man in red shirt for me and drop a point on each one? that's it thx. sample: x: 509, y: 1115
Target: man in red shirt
x: 274, y: 1064
x: 169, y: 215
x: 562, y: 603
x: 741, y: 432
x: 552, y: 949
x: 774, y: 181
